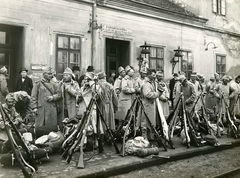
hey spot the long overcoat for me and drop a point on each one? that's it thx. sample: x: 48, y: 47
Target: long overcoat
x: 87, y: 95
x: 67, y: 94
x: 163, y: 99
x: 3, y: 88
x: 149, y: 95
x: 47, y: 111
x: 189, y: 95
x: 126, y: 97
x: 108, y: 102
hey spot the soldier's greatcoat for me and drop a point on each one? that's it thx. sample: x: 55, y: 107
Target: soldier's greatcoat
x: 188, y: 93
x: 163, y: 99
x: 3, y: 88
x: 126, y: 97
x: 108, y: 102
x: 149, y: 95
x: 67, y: 93
x: 47, y: 111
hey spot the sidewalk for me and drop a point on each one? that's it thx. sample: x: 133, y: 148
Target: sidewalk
x: 108, y: 163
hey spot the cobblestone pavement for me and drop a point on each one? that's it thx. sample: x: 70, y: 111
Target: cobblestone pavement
x: 99, y: 164
x: 203, y: 166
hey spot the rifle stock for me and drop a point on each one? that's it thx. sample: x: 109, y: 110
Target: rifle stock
x: 16, y: 149
x: 80, y: 163
x: 185, y: 123
x: 108, y: 130
x: 155, y: 133
x: 234, y: 128
x: 100, y: 145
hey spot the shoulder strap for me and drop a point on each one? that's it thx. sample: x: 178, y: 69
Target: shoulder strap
x: 47, y: 88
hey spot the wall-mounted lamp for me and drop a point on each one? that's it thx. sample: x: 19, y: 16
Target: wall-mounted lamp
x: 176, y: 58
x: 214, y: 46
x: 144, y: 52
x: 94, y: 25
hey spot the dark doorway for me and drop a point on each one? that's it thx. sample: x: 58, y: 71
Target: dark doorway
x: 11, y: 51
x: 117, y: 54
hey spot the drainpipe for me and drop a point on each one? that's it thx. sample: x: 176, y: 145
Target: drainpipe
x: 93, y: 33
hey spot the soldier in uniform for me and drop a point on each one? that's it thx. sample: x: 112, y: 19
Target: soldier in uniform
x: 164, y: 97
x: 10, y: 110
x: 227, y: 92
x: 3, y: 84
x: 140, y: 80
x: 118, y: 81
x: 127, y: 94
x: 149, y: 95
x: 69, y: 92
x: 42, y: 100
x: 108, y: 100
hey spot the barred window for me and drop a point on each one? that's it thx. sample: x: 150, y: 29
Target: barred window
x: 156, y: 60
x: 221, y: 64
x: 68, y: 53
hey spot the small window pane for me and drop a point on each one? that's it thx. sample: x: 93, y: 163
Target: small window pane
x: 75, y: 43
x: 153, y: 63
x: 214, y: 5
x: 3, y: 37
x: 63, y: 42
x: 61, y: 68
x: 159, y: 64
x: 223, y: 68
x: 219, y: 61
x: 223, y: 60
x: 223, y: 7
x: 62, y: 56
x: 153, y: 52
x: 74, y: 57
x: 159, y: 53
x: 2, y: 59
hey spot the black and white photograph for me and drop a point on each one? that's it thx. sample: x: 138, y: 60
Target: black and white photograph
x: 119, y: 88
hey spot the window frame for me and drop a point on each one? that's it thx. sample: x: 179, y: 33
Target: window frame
x: 219, y: 7
x: 156, y: 58
x: 222, y: 56
x: 187, y: 71
x: 68, y: 50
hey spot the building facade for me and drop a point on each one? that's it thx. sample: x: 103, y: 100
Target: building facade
x: 108, y: 34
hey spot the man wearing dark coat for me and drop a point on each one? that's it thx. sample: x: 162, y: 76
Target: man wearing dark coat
x: 171, y: 87
x: 24, y: 83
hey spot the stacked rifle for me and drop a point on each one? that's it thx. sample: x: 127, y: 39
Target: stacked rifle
x: 129, y: 126
x: 76, y: 139
x: 28, y: 165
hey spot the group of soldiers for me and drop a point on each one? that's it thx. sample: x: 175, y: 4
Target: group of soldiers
x: 50, y: 101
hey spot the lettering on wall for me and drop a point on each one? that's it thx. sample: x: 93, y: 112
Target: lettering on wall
x: 38, y: 67
x: 117, y: 31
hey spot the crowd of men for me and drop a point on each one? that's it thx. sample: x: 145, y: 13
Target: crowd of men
x: 51, y: 101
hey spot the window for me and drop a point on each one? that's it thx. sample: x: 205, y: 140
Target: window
x: 156, y: 58
x: 67, y: 53
x: 187, y: 63
x: 221, y: 64
x: 219, y: 7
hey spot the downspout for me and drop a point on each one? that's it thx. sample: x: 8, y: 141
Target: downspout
x: 93, y: 33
